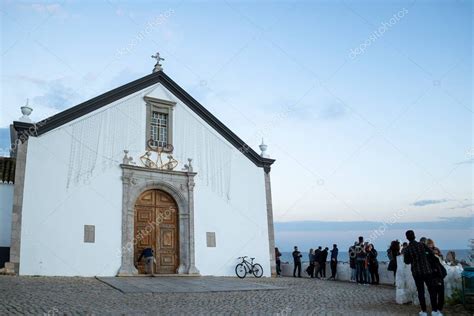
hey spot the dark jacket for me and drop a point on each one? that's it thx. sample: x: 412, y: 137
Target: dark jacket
x: 147, y: 253
x: 417, y: 254
x: 317, y: 255
x: 297, y: 256
x: 334, y: 253
x: 361, y: 255
x: 323, y: 256
x: 439, y: 271
x: 372, y: 258
x: 352, y: 261
x: 277, y: 255
x: 392, y: 255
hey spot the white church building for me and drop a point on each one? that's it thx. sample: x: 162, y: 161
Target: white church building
x: 143, y: 165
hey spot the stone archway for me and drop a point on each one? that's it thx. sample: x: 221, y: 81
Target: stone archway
x: 180, y: 186
x: 156, y: 226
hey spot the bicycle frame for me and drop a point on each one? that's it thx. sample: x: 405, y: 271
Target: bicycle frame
x: 248, y: 265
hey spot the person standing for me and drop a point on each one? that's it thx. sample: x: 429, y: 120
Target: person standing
x: 317, y: 259
x: 310, y: 268
x: 416, y: 254
x: 439, y: 273
x: 148, y: 254
x: 334, y: 253
x: 373, y: 264
x: 297, y: 262
x: 352, y: 262
x: 392, y: 253
x: 361, y: 261
x: 278, y: 261
x: 322, y: 262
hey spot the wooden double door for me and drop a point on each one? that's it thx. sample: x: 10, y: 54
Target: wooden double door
x: 157, y: 227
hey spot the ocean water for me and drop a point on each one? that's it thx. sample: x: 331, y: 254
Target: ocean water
x: 343, y: 256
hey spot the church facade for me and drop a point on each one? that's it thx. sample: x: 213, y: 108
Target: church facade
x: 142, y: 166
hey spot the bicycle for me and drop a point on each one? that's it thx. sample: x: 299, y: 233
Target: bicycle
x: 245, y: 267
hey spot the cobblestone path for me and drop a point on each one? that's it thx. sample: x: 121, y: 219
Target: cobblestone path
x: 59, y: 296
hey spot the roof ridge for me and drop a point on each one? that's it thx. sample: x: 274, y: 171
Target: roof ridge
x: 113, y: 95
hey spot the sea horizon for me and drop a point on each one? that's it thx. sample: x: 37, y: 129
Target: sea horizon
x: 343, y: 256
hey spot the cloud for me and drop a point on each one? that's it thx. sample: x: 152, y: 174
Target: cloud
x: 466, y: 162
x: 429, y: 202
x: 333, y: 111
x: 57, y: 95
x: 466, y: 205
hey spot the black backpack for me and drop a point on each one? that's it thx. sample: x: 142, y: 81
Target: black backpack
x: 439, y: 271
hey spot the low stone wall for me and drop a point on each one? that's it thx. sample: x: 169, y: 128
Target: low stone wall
x: 343, y: 271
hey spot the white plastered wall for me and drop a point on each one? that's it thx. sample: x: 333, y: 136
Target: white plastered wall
x: 52, y: 235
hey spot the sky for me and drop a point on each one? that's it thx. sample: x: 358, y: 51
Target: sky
x: 365, y: 105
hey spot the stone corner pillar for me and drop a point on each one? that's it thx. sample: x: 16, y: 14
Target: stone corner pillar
x: 271, y: 230
x: 192, y: 263
x: 127, y: 267
x: 13, y: 267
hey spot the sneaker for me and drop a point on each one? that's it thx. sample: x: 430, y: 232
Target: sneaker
x: 422, y: 314
x: 434, y: 313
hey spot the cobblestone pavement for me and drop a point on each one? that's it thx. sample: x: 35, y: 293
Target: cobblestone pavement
x: 59, y: 296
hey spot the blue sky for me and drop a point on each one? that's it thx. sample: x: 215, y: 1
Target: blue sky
x: 358, y: 137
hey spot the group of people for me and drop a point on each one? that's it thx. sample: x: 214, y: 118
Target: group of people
x: 364, y: 263
x: 317, y: 262
x: 424, y: 258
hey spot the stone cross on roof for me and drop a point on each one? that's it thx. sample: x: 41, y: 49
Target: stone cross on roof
x: 158, y: 66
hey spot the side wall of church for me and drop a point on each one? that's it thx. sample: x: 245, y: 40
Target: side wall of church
x: 73, y: 178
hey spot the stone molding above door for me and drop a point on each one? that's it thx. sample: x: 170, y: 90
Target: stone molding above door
x: 178, y: 184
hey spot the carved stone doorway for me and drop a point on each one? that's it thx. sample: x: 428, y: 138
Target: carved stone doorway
x: 157, y: 227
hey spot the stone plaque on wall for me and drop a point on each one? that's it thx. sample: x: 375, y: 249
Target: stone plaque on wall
x: 211, y: 239
x: 89, y: 233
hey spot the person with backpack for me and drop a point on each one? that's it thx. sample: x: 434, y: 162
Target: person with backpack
x: 310, y: 268
x: 439, y: 273
x: 418, y: 256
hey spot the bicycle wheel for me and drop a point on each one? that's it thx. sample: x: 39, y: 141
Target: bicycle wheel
x: 257, y: 270
x: 240, y: 270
